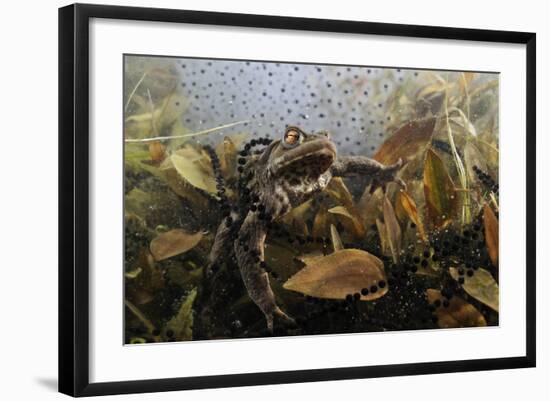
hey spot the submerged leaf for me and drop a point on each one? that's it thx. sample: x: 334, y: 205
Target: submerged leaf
x: 392, y: 229
x: 191, y: 171
x: 350, y: 222
x: 336, y: 241
x: 181, y: 186
x: 341, y: 273
x: 227, y: 153
x: 462, y: 121
x: 491, y: 233
x: 338, y: 190
x: 473, y: 158
x: 296, y: 217
x: 320, y: 223
x: 157, y: 151
x: 438, y: 190
x: 340, y: 210
x: 459, y: 313
x: 133, y: 273
x: 173, y: 243
x: 481, y: 286
x: 182, y: 323
x: 489, y: 152
x: 406, y: 142
x: 370, y: 206
x: 311, y: 257
x: 150, y: 123
x: 407, y: 203
x: 383, y: 234
x: 138, y: 161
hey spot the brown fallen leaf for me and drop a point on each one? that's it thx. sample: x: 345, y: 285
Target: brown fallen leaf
x: 320, y: 223
x: 309, y: 258
x: 392, y: 229
x: 193, y: 165
x: 481, y: 286
x: 490, y: 222
x: 296, y: 217
x: 157, y: 151
x: 336, y: 241
x: 350, y: 221
x: 227, y: 153
x: 407, y: 141
x: 489, y: 151
x: 408, y: 205
x: 370, y: 206
x: 473, y: 158
x: 172, y: 243
x: 383, y: 234
x: 439, y: 190
x: 459, y: 313
x: 338, y: 190
x: 341, y: 273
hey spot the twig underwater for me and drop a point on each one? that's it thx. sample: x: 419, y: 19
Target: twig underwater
x: 204, y: 132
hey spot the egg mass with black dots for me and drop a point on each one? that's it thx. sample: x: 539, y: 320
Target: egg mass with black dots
x: 226, y: 91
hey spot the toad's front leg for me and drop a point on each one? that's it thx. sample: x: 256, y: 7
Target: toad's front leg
x: 249, y: 250
x: 360, y: 165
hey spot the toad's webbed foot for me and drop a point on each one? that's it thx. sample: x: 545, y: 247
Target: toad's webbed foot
x: 387, y: 175
x: 278, y: 312
x: 249, y: 250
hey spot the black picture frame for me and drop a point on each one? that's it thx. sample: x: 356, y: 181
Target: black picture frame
x: 74, y: 198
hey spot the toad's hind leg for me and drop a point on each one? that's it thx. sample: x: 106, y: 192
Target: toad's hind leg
x: 249, y: 250
x: 223, y: 244
x: 207, y: 302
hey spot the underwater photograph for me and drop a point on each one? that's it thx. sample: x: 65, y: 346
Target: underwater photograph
x: 268, y: 199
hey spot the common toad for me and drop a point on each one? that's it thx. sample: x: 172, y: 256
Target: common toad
x: 286, y: 174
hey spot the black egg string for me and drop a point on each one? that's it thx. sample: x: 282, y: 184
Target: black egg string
x: 223, y: 201
x: 220, y: 181
x: 487, y: 180
x: 249, y: 200
x: 470, y: 251
x: 247, y: 151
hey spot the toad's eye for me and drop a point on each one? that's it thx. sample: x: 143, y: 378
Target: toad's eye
x: 292, y: 138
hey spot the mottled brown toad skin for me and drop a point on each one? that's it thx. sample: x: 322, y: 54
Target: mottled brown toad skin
x: 273, y: 183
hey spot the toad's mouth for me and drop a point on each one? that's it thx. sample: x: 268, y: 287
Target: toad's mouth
x: 311, y: 158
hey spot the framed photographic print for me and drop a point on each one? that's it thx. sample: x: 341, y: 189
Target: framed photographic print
x: 249, y: 199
